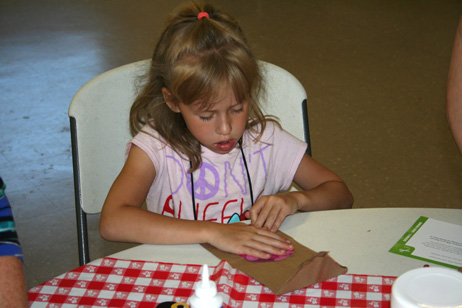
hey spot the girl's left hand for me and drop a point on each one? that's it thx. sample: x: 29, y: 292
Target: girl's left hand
x: 270, y: 211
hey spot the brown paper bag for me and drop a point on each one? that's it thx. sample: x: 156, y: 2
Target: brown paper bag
x: 303, y: 268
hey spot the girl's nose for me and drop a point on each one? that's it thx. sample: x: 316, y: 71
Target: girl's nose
x: 223, y: 125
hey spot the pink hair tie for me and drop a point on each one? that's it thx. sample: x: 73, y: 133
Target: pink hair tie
x: 202, y: 14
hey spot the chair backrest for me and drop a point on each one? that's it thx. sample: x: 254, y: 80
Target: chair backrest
x: 286, y: 98
x: 100, y: 129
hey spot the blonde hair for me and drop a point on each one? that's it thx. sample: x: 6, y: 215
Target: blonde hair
x: 192, y: 59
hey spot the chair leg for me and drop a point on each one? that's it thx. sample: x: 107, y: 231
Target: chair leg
x: 82, y: 236
x: 81, y: 216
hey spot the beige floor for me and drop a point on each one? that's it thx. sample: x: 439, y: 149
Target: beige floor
x: 375, y: 73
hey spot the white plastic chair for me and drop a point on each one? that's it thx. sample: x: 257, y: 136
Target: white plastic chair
x: 99, y: 126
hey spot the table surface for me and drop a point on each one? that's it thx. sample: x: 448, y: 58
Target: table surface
x: 112, y: 282
x: 147, y: 275
x: 357, y: 238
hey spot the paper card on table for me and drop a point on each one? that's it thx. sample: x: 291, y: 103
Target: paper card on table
x: 432, y: 241
x: 303, y: 268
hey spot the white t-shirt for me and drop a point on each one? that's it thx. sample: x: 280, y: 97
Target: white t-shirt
x: 221, y: 185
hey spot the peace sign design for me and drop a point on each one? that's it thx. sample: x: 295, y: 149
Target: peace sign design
x: 204, y: 190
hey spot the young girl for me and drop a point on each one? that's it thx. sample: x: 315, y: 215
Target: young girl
x: 204, y: 155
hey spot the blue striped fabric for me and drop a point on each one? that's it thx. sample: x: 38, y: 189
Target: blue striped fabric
x: 9, y: 243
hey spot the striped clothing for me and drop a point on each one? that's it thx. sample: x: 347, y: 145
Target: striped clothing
x: 9, y: 243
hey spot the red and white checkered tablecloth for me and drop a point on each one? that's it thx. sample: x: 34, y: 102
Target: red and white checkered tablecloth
x: 112, y: 282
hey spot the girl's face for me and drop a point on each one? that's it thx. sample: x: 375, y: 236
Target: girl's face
x: 219, y: 127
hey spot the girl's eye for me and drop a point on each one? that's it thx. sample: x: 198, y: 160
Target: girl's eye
x: 238, y: 110
x: 205, y: 119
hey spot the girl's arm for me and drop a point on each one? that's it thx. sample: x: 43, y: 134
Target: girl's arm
x: 123, y: 219
x: 321, y: 190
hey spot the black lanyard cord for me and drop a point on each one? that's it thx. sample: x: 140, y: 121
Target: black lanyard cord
x: 192, y: 193
x: 248, y: 174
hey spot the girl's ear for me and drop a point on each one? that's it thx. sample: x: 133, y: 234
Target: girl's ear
x: 168, y: 99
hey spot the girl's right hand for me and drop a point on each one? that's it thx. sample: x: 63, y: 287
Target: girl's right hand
x: 243, y: 239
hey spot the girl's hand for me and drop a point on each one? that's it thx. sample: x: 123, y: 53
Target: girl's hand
x: 270, y: 211
x: 240, y: 238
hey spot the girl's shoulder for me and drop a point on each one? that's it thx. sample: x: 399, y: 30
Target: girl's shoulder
x: 272, y: 130
x: 154, y: 145
x: 149, y: 137
x: 273, y: 134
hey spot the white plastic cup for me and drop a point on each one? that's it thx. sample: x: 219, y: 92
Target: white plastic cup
x: 434, y: 287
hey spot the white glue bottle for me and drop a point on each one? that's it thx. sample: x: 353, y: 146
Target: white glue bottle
x: 205, y: 294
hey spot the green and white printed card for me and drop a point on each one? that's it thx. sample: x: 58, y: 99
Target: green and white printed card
x: 433, y: 241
